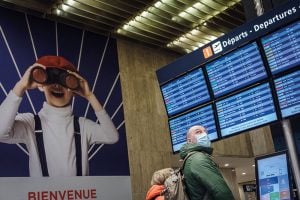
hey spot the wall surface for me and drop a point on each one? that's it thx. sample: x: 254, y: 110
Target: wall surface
x: 148, y: 140
x: 248, y: 144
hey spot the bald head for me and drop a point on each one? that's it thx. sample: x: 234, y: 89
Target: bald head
x: 193, y: 131
x: 198, y: 135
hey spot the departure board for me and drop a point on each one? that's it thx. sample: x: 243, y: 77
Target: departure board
x: 288, y: 93
x: 235, y: 70
x: 179, y: 126
x: 282, y: 48
x: 246, y: 110
x: 185, y: 92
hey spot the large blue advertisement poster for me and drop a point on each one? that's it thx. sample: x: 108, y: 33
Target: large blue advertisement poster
x: 24, y: 39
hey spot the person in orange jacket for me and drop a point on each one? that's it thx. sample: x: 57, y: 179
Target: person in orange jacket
x: 156, y: 191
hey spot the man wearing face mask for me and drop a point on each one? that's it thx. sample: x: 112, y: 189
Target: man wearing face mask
x: 202, y: 176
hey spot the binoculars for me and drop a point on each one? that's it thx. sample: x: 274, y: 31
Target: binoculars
x: 53, y: 75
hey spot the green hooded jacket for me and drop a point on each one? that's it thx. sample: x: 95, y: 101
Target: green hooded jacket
x: 202, y: 176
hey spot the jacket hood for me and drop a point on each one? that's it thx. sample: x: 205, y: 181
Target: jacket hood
x: 187, y: 148
x: 154, y: 191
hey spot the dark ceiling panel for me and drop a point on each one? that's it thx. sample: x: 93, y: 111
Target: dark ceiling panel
x: 180, y: 25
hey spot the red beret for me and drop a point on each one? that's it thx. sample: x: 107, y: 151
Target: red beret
x: 57, y: 62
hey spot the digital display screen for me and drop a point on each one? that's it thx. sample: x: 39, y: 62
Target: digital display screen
x: 273, y: 177
x: 180, y: 125
x: 282, y: 48
x: 185, y: 92
x: 248, y: 109
x: 288, y: 92
x: 235, y: 70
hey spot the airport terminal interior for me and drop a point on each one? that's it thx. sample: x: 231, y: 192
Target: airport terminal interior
x: 161, y: 46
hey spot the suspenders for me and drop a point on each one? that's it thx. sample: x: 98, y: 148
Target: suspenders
x: 41, y: 147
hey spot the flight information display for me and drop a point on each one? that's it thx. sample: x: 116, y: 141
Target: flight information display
x: 288, y: 93
x: 273, y: 177
x: 235, y: 70
x: 179, y: 126
x: 246, y: 110
x: 282, y: 48
x: 185, y: 92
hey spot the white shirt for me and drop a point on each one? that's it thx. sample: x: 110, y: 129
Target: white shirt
x: 58, y: 131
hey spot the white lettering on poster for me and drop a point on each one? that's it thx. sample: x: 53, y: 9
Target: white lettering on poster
x: 230, y: 41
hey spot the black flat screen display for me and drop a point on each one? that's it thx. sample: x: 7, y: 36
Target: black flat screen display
x: 246, y: 110
x: 282, y: 48
x: 273, y: 177
x: 179, y: 126
x: 185, y: 92
x: 288, y: 93
x: 235, y: 70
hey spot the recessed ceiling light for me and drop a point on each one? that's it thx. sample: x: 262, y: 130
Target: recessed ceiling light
x: 244, y: 173
x: 58, y: 12
x: 145, y: 13
x: 71, y: 2
x: 65, y: 7
x: 126, y: 26
x: 226, y: 165
x: 158, y: 4
x: 253, y: 165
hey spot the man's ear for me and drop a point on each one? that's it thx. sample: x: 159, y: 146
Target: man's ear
x: 41, y: 88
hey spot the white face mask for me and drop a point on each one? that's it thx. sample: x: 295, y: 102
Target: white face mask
x: 203, y: 140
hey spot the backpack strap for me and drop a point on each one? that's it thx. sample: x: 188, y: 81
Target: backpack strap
x: 185, y: 159
x: 41, y: 148
x: 193, y: 152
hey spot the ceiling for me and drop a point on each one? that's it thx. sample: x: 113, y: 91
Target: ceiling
x: 244, y: 167
x: 179, y: 25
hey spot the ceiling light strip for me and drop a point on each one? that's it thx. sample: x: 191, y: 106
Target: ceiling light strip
x: 141, y: 37
x: 86, y: 15
x: 145, y: 27
x: 190, y: 32
x: 164, y: 20
x: 106, y: 8
x: 143, y: 33
x: 154, y: 24
x: 94, y: 11
x: 158, y: 12
x: 114, y: 5
x: 145, y: 16
x: 79, y: 18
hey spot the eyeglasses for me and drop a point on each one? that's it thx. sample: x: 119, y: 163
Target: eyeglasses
x: 54, y: 75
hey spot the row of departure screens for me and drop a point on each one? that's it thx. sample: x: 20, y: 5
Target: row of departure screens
x: 251, y: 86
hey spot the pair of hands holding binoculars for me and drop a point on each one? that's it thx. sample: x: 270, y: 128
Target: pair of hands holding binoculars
x: 38, y: 75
